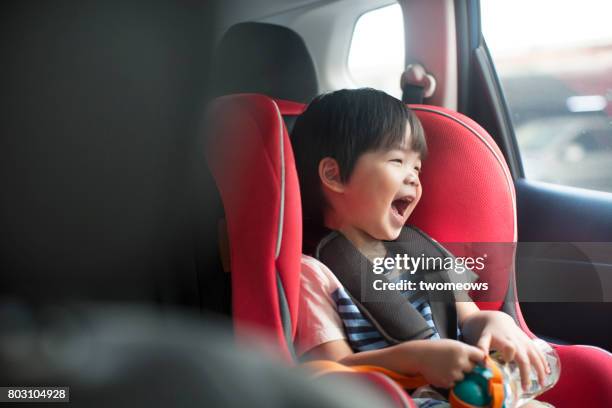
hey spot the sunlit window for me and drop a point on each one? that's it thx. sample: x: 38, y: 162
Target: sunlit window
x: 376, y: 56
x: 554, y: 60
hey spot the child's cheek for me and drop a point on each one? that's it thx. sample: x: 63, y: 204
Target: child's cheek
x: 419, y: 194
x: 386, y: 189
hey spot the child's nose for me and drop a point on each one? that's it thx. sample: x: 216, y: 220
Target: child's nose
x: 412, y: 178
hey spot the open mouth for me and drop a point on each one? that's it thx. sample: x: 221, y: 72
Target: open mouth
x: 400, y: 205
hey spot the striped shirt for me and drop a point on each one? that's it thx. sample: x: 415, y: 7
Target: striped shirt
x: 361, y: 334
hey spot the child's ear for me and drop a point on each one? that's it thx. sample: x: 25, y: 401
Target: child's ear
x: 329, y: 173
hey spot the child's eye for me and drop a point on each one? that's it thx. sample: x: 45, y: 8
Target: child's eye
x: 418, y: 169
x: 400, y: 161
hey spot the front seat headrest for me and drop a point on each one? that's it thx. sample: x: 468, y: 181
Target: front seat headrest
x: 264, y: 58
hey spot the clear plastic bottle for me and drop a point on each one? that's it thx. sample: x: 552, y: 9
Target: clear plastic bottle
x: 515, y: 396
x: 501, y: 382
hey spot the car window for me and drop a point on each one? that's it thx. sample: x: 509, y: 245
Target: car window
x: 376, y: 54
x: 554, y: 61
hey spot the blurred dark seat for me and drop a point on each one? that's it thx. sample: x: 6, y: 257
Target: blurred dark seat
x: 105, y: 196
x: 113, y: 356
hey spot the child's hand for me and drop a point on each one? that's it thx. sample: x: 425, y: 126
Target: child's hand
x: 443, y: 362
x: 497, y: 330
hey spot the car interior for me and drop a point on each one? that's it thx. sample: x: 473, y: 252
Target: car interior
x: 147, y: 160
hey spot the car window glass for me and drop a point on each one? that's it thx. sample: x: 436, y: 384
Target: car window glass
x: 376, y: 54
x: 554, y: 61
x: 588, y: 142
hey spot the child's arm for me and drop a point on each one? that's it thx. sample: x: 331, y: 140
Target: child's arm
x: 441, y: 362
x: 465, y: 310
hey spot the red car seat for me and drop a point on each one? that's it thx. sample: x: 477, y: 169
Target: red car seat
x: 469, y: 197
x: 250, y: 157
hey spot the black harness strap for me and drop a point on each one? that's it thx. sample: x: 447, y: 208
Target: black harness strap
x: 389, y: 311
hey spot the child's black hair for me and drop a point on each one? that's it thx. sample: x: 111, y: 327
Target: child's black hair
x: 344, y: 125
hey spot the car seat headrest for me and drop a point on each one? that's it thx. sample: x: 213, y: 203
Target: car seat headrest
x: 264, y: 58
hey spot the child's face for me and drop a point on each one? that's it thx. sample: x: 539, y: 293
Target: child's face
x: 382, y: 191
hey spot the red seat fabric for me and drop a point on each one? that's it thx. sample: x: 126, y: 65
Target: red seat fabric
x: 468, y: 196
x: 586, y: 378
x: 250, y: 156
